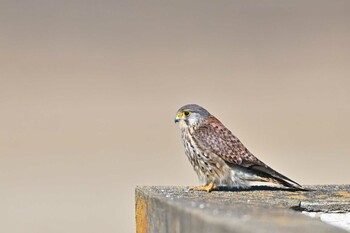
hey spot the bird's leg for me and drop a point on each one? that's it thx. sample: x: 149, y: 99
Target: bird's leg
x: 209, y: 187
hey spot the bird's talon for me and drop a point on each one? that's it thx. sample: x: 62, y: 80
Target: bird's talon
x: 208, y: 188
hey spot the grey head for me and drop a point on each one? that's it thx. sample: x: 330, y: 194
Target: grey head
x: 191, y: 114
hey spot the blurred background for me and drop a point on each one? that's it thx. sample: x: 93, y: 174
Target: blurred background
x: 89, y: 91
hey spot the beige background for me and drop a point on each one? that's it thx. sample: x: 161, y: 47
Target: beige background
x: 89, y: 89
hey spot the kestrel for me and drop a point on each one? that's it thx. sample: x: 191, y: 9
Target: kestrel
x: 219, y: 158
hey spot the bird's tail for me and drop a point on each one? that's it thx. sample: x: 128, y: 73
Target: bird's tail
x: 266, y: 176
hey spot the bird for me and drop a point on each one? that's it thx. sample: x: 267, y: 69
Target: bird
x: 220, y: 159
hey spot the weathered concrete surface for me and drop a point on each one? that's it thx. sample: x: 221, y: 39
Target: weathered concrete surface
x: 341, y: 220
x: 171, y: 209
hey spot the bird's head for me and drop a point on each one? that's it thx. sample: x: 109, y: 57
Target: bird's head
x: 190, y: 115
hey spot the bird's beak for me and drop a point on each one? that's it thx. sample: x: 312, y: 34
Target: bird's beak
x: 178, y: 117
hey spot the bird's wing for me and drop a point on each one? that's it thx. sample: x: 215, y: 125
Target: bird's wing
x: 214, y: 137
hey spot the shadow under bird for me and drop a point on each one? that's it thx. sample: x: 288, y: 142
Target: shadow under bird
x: 219, y: 158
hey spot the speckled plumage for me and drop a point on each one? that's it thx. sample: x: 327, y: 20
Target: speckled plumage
x: 219, y: 158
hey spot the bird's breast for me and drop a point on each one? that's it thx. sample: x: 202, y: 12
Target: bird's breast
x: 208, y: 166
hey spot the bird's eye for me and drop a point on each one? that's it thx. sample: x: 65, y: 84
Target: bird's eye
x: 186, y: 113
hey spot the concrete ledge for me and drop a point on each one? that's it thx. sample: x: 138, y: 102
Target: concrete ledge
x: 171, y: 209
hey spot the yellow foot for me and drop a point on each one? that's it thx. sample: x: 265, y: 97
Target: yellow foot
x: 208, y: 188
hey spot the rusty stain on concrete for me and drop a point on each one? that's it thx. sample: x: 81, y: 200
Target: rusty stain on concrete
x: 343, y: 193
x: 141, y: 215
x: 322, y: 196
x: 297, y: 196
